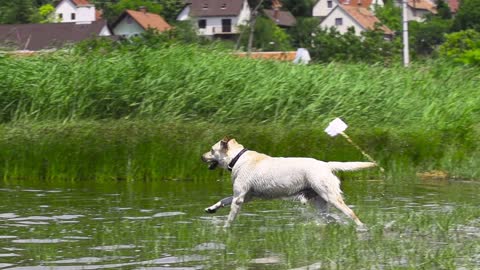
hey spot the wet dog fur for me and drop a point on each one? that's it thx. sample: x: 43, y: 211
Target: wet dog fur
x: 257, y: 175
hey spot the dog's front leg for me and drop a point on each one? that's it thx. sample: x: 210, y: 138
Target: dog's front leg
x: 222, y: 203
x: 237, y: 202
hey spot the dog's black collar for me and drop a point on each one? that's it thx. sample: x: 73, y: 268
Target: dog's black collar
x: 235, y: 159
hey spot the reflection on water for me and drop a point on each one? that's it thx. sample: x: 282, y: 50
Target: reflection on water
x: 161, y: 225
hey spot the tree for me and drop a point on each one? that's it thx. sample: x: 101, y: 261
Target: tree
x: 19, y: 11
x: 301, y: 33
x: 428, y: 35
x: 468, y: 16
x: 463, y: 47
x: 443, y: 10
x: 299, y: 8
x: 390, y: 15
x: 113, y: 11
x: 44, y: 14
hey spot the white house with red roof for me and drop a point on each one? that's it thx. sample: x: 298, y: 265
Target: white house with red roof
x: 323, y: 7
x: 345, y: 16
x: 131, y: 23
x: 79, y: 11
x: 418, y: 9
x: 216, y: 18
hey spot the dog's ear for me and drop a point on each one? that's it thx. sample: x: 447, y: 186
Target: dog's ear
x: 224, y: 142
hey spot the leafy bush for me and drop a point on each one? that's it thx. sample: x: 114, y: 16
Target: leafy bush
x: 462, y: 47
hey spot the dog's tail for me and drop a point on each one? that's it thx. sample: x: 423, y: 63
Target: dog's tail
x: 350, y: 166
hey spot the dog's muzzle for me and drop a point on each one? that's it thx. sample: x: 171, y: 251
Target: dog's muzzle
x: 212, y: 164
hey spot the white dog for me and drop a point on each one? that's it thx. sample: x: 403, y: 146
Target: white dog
x: 257, y: 175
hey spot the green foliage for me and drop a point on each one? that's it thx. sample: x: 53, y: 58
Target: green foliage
x: 267, y: 36
x: 299, y: 8
x: 301, y: 33
x: 463, y: 47
x: 468, y: 16
x: 44, y: 14
x: 190, y: 82
x: 329, y: 45
x: 443, y: 10
x: 16, y: 12
x: 117, y: 8
x: 428, y: 35
x: 390, y: 15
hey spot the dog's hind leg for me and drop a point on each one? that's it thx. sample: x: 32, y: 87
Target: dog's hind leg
x: 222, y: 203
x: 332, y: 195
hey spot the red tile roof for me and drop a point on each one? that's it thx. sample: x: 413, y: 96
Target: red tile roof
x: 356, y: 3
x: 98, y: 14
x: 365, y: 18
x: 453, y: 4
x: 422, y: 4
x: 146, y: 20
x: 81, y: 2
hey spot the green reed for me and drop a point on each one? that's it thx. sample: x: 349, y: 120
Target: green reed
x: 208, y: 84
x: 151, y: 150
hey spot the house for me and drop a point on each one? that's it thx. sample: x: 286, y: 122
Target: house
x: 80, y: 11
x: 417, y: 9
x: 216, y: 18
x: 131, y: 23
x: 35, y: 37
x: 283, y: 19
x: 323, y: 7
x: 342, y: 17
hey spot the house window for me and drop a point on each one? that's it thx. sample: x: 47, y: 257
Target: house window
x: 338, y: 21
x: 60, y: 16
x: 202, y: 24
x: 72, y: 16
x: 226, y: 25
x: 129, y: 20
x: 329, y: 4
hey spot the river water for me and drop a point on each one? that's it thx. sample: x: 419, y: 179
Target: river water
x: 161, y: 225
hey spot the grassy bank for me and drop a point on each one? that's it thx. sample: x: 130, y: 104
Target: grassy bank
x: 149, y: 114
x: 191, y: 83
x: 152, y: 150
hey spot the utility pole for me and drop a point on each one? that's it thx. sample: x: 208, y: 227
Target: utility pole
x: 406, y: 55
x: 253, y: 19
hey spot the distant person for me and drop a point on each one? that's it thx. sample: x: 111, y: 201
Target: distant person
x: 302, y: 56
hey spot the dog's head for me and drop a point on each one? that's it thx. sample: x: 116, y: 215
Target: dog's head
x: 219, y: 154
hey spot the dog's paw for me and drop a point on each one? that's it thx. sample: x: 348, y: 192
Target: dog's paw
x: 210, y: 210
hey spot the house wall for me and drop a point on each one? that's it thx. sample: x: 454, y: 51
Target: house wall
x: 183, y: 16
x: 105, y: 32
x: 214, y: 24
x: 127, y: 28
x: 82, y: 13
x: 347, y: 22
x: 321, y: 8
x: 416, y: 15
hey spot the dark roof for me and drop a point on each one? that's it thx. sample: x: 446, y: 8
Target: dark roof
x: 210, y: 8
x: 282, y: 18
x: 36, y: 37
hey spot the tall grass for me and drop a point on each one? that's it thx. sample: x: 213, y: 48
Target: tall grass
x: 192, y: 83
x: 58, y: 112
x: 153, y: 150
